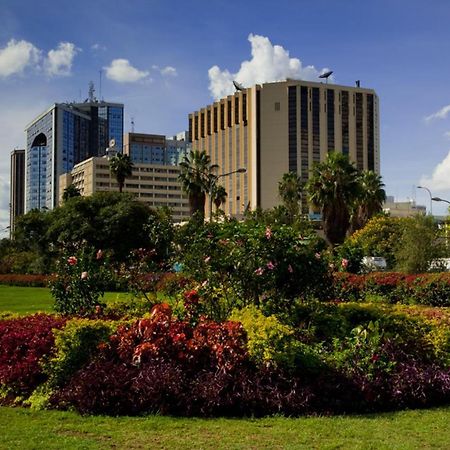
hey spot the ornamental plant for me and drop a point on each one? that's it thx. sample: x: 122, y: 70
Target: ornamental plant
x: 79, y: 282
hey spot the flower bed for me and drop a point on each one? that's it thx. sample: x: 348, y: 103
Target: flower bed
x: 423, y: 289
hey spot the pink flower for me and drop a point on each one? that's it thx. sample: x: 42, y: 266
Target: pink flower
x: 290, y: 269
x: 270, y: 265
x: 99, y: 255
x: 84, y: 275
x: 268, y: 233
x: 207, y: 259
x: 317, y: 255
x: 344, y: 263
x: 72, y: 260
x: 259, y: 271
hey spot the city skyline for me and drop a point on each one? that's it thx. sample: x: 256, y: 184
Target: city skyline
x: 165, y: 60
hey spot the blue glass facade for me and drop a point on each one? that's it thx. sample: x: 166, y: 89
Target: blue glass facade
x: 64, y: 136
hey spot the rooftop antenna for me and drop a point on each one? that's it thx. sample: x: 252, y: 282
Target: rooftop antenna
x: 326, y: 75
x: 91, y: 92
x: 132, y: 124
x: 100, y: 85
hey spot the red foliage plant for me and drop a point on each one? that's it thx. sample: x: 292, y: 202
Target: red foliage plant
x: 12, y: 279
x: 23, y: 343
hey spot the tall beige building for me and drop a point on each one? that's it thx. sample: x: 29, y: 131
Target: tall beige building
x: 156, y: 185
x: 274, y: 128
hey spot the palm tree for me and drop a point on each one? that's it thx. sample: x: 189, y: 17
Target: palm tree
x: 70, y: 192
x: 121, y: 167
x: 333, y: 187
x: 290, y: 190
x: 219, y: 196
x: 195, y: 177
x: 370, y: 199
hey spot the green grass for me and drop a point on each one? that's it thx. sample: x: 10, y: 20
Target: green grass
x: 23, y: 428
x: 28, y: 300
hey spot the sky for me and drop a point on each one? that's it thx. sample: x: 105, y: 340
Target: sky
x: 165, y: 59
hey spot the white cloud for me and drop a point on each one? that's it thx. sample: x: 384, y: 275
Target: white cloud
x: 447, y: 134
x: 59, y: 61
x: 169, y: 71
x: 166, y: 71
x: 268, y: 63
x: 441, y: 114
x: 98, y: 46
x: 16, y: 56
x: 440, y: 179
x: 122, y: 71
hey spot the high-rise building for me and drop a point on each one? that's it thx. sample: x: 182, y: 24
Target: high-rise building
x: 17, y: 189
x: 156, y: 149
x: 280, y: 127
x: 157, y: 185
x: 61, y: 137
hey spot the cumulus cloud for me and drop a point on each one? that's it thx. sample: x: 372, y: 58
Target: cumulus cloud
x: 441, y: 114
x: 59, y: 61
x: 16, y: 56
x: 440, y: 178
x: 122, y: 71
x: 268, y: 63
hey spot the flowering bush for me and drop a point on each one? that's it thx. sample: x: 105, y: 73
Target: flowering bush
x: 248, y: 262
x: 79, y: 282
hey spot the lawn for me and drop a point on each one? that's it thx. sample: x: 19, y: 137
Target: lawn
x: 28, y: 300
x: 23, y: 428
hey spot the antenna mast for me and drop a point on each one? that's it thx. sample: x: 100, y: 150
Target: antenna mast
x: 132, y: 124
x: 100, y: 86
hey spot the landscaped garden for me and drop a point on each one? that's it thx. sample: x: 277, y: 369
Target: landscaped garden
x: 253, y: 318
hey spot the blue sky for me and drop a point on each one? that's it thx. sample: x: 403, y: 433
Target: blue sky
x: 156, y: 58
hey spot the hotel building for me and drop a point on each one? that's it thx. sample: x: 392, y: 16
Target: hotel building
x: 156, y: 185
x: 280, y: 127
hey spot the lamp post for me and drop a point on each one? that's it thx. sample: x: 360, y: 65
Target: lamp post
x: 431, y: 198
x: 438, y: 199
x: 213, y: 183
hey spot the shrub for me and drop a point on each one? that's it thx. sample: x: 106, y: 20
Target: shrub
x: 24, y: 342
x: 80, y: 281
x: 270, y: 342
x: 24, y: 280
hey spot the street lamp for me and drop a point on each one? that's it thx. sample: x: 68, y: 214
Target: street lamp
x: 431, y: 198
x: 213, y: 183
x: 438, y: 199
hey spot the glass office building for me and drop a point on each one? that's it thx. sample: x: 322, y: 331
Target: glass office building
x: 61, y: 137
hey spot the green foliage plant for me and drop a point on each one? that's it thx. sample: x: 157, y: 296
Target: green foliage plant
x: 269, y: 342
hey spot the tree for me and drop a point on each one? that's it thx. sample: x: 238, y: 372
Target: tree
x: 290, y: 190
x: 195, y: 177
x: 121, y: 167
x: 219, y: 196
x: 419, y: 245
x: 333, y: 187
x: 70, y: 192
x: 370, y: 199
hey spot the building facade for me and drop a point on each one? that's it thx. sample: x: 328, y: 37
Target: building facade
x: 61, y: 137
x: 280, y: 127
x: 156, y: 149
x: 17, y: 187
x: 155, y: 184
